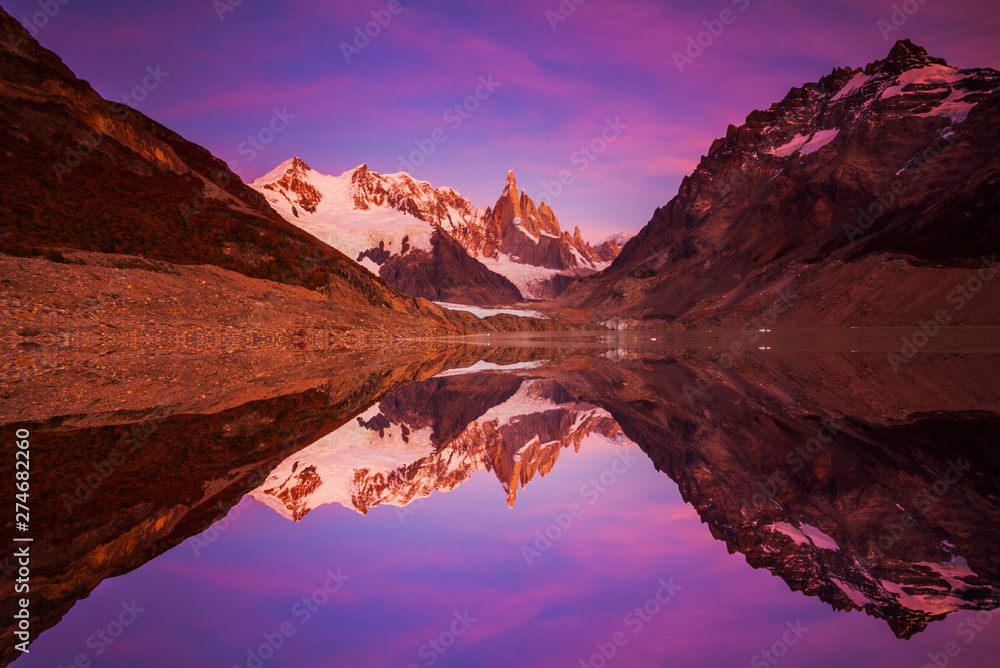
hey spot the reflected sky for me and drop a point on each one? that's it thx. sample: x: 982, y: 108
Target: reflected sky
x: 213, y: 598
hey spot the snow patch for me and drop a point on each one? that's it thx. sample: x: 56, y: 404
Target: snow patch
x: 939, y: 75
x: 338, y: 223
x: 517, y: 224
x: 953, y: 107
x: 521, y: 275
x: 621, y: 238
x: 785, y: 150
x: 859, y: 80
x: 856, y: 596
x: 819, y: 140
x: 486, y: 311
x: 338, y: 455
x: 806, y: 535
x: 807, y: 144
x: 481, y: 366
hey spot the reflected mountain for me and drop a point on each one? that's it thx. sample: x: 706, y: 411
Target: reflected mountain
x: 884, y: 497
x: 873, y: 501
x: 433, y: 435
x: 119, y: 488
x: 865, y: 489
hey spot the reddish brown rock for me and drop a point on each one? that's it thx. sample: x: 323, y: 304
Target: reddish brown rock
x: 868, y: 195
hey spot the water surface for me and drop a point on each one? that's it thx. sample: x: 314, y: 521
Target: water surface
x: 614, y: 501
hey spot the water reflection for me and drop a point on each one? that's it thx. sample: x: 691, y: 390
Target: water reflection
x: 432, y: 436
x: 863, y: 488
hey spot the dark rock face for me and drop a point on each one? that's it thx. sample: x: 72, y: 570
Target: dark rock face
x: 846, y: 192
x: 84, y: 173
x: 898, y: 518
x: 607, y: 251
x: 378, y: 255
x: 447, y: 274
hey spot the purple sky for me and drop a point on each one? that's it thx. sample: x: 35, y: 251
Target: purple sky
x: 608, y: 59
x: 460, y: 551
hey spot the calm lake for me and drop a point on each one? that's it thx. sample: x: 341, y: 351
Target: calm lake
x: 822, y: 498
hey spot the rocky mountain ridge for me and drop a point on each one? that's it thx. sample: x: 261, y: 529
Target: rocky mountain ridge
x: 821, y: 194
x: 895, y: 517
x: 88, y: 174
x: 375, y: 217
x: 432, y: 436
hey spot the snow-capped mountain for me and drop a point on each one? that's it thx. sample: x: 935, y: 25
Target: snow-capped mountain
x: 434, y: 435
x: 819, y: 486
x: 402, y: 229
x: 365, y: 215
x: 852, y: 193
x: 611, y: 247
x: 173, y: 201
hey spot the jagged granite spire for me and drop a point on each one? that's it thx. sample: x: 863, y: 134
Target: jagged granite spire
x: 904, y: 55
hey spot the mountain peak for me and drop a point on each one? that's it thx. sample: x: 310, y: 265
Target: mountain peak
x: 293, y: 167
x: 511, y: 190
x: 362, y: 173
x: 904, y: 55
x: 904, y: 48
